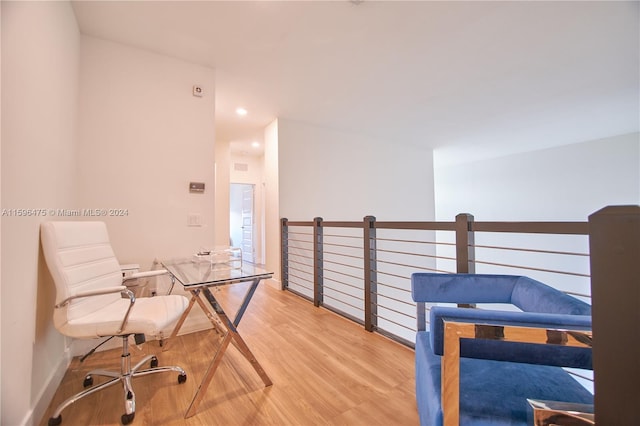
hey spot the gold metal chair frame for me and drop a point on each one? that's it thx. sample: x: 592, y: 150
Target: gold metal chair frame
x: 454, y: 331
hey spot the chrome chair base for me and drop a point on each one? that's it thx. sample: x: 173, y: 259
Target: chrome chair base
x: 126, y: 374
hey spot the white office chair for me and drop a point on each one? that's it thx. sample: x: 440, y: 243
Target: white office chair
x: 92, y: 302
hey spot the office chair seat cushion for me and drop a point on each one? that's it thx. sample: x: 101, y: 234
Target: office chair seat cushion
x: 149, y: 315
x: 491, y: 392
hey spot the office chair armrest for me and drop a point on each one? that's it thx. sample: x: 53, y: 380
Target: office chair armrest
x: 108, y: 290
x: 146, y: 274
x: 120, y: 289
x: 132, y: 300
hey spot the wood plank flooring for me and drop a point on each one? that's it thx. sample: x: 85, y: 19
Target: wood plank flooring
x: 326, y: 370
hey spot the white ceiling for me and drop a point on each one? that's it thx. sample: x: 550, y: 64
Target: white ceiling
x: 475, y: 77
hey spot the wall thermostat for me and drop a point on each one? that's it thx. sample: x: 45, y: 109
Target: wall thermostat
x: 196, y: 186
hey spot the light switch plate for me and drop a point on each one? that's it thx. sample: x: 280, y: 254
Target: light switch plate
x: 194, y: 219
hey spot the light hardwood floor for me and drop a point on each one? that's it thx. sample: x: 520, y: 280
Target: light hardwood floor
x: 326, y: 370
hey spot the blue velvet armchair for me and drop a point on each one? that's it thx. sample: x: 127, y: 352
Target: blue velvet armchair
x: 480, y: 366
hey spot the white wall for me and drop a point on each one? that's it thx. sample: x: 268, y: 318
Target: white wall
x: 271, y: 224
x: 143, y: 138
x: 40, y: 66
x: 0, y: 231
x: 221, y: 219
x: 342, y: 176
x: 89, y: 124
x: 566, y: 183
x: 345, y: 176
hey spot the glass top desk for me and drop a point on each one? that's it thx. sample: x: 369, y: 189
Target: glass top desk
x: 198, y: 277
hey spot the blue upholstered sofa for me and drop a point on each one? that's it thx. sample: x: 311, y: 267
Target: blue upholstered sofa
x: 489, y: 370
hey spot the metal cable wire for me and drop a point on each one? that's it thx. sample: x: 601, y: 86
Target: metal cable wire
x: 359, y: 308
x: 567, y: 253
x: 531, y: 268
x: 404, y: 302
x: 415, y: 254
x: 344, y: 274
x: 342, y: 245
x: 344, y: 236
x: 328, y: 279
x: 342, y: 292
x: 416, y: 241
x: 379, y: 283
x: 303, y: 271
x: 343, y: 255
x: 360, y: 267
x: 396, y: 323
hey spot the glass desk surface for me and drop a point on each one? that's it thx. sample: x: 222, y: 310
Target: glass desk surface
x: 193, y: 273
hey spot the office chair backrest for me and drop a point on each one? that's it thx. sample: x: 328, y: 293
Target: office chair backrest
x: 80, y: 258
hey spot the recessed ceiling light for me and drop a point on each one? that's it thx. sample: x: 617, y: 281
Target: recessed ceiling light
x: 241, y: 111
x: 255, y: 144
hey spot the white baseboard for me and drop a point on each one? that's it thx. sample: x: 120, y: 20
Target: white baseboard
x: 43, y: 399
x: 274, y: 284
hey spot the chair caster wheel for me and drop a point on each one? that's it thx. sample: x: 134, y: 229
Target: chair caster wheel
x: 154, y: 362
x: 127, y: 418
x: 55, y: 421
x: 182, y: 378
x: 88, y: 381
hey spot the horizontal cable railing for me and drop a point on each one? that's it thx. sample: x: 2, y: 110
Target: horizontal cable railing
x: 362, y: 269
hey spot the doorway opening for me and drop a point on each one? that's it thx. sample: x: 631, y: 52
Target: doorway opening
x: 241, y: 219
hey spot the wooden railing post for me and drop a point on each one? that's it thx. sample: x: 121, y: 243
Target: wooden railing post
x: 614, y: 244
x: 318, y: 266
x: 284, y: 254
x: 465, y: 252
x: 370, y: 276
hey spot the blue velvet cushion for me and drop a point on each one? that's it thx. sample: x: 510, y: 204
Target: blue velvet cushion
x: 491, y: 392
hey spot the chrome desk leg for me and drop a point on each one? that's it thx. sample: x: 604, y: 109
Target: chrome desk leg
x: 231, y: 336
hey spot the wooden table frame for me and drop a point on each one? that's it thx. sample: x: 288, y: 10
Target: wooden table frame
x: 222, y: 323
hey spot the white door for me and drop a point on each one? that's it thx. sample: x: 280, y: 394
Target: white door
x: 247, y: 224
x: 241, y: 204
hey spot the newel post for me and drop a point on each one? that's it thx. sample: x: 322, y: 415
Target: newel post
x: 465, y: 248
x: 614, y: 245
x: 318, y: 266
x: 284, y: 253
x: 465, y: 240
x: 370, y: 277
